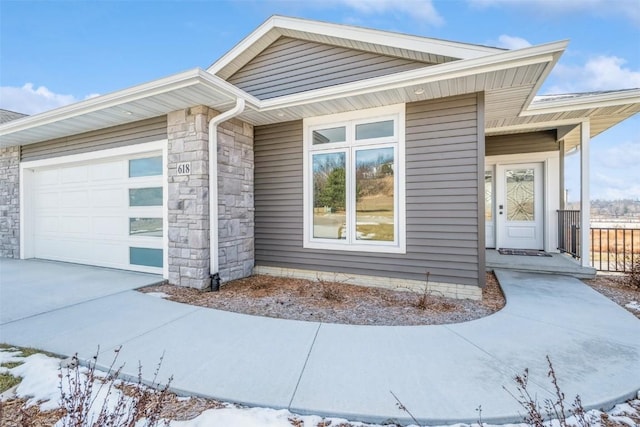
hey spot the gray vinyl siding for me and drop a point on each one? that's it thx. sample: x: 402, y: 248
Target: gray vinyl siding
x: 441, y: 199
x: 290, y: 66
x: 148, y: 130
x: 531, y: 142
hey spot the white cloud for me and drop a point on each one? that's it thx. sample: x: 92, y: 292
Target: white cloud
x: 622, y: 155
x: 626, y: 8
x: 598, y: 73
x: 420, y: 9
x: 614, y: 165
x: 512, y: 42
x: 29, y: 99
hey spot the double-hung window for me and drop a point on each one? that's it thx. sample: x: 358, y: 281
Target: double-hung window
x: 354, y: 181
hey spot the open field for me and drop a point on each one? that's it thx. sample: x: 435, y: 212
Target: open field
x: 614, y: 249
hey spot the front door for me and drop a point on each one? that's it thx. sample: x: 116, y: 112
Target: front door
x: 519, y: 206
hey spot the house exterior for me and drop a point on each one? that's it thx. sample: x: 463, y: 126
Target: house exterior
x: 310, y: 150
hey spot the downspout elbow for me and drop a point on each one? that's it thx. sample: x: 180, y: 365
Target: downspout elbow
x: 213, y: 189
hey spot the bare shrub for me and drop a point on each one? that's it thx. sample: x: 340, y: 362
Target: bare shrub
x: 330, y: 289
x: 426, y: 299
x: 632, y: 278
x: 109, y: 405
x: 540, y: 414
x: 551, y: 412
x: 332, y: 294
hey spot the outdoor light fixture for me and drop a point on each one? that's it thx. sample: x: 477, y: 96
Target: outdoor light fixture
x: 419, y: 91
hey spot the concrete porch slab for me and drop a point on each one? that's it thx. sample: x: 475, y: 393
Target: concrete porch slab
x: 555, y: 264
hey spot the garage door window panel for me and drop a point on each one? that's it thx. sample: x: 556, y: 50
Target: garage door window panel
x: 148, y: 166
x: 151, y: 196
x: 147, y: 257
x: 148, y: 227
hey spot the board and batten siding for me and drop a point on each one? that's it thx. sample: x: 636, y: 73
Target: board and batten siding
x: 291, y: 65
x: 442, y: 157
x: 148, y: 130
x: 530, y: 142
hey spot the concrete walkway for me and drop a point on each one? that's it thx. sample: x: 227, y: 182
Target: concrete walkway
x: 441, y: 373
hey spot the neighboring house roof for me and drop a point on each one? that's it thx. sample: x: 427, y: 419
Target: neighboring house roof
x: 7, y: 116
x: 400, y: 68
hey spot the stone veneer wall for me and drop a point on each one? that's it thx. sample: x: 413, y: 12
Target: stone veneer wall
x: 188, y: 201
x: 10, y: 202
x: 235, y: 200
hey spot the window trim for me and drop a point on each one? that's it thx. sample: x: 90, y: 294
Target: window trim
x: 351, y: 119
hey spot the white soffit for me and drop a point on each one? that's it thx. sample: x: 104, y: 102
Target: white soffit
x: 159, y: 97
x: 508, y: 78
x: 603, y: 110
x: 366, y: 39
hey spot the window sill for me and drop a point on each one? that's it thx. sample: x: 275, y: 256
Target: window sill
x: 387, y: 249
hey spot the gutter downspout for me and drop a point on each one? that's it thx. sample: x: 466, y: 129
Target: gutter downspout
x: 213, y: 189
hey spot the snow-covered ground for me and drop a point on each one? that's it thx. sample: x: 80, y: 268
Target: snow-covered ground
x: 634, y: 305
x: 40, y: 385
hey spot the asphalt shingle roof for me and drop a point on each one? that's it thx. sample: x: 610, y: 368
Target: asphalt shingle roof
x: 7, y: 115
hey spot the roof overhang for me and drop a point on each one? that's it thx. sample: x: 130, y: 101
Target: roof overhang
x: 565, y: 112
x: 383, y: 42
x: 159, y: 97
x: 508, y: 78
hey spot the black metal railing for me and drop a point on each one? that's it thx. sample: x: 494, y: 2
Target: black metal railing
x: 569, y: 232
x: 615, y: 249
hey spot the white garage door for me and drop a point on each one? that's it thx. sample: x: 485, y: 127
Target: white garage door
x: 107, y: 213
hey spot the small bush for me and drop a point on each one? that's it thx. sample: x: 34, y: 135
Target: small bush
x: 112, y: 404
x: 540, y: 415
x: 632, y: 278
x: 332, y: 294
x: 426, y: 299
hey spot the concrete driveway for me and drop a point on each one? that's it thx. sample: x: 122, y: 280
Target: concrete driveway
x: 441, y: 373
x: 30, y: 287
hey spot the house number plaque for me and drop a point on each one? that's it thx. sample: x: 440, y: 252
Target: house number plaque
x: 184, y: 168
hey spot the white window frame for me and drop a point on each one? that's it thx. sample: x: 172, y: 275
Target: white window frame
x: 397, y: 142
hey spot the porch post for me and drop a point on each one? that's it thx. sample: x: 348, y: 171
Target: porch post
x: 585, y: 204
x: 561, y: 177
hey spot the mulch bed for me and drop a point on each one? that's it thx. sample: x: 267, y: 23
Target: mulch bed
x: 617, y: 288
x: 330, y: 302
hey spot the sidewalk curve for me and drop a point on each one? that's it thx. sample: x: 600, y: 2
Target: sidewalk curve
x: 442, y: 374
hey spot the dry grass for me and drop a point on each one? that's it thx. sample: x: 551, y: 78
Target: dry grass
x: 334, y: 302
x: 13, y: 413
x: 615, y: 240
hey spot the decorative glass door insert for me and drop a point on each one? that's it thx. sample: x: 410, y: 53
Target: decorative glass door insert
x: 520, y: 194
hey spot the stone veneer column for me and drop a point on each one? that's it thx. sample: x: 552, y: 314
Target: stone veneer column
x: 235, y: 200
x: 10, y: 202
x: 188, y: 201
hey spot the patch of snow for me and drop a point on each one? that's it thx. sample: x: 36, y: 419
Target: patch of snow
x: 158, y: 294
x: 40, y: 384
x: 39, y: 381
x: 9, y: 356
x: 634, y: 305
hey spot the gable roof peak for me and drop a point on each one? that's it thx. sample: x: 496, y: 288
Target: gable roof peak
x: 360, y: 38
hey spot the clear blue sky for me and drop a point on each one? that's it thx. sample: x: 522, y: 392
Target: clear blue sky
x: 56, y: 52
